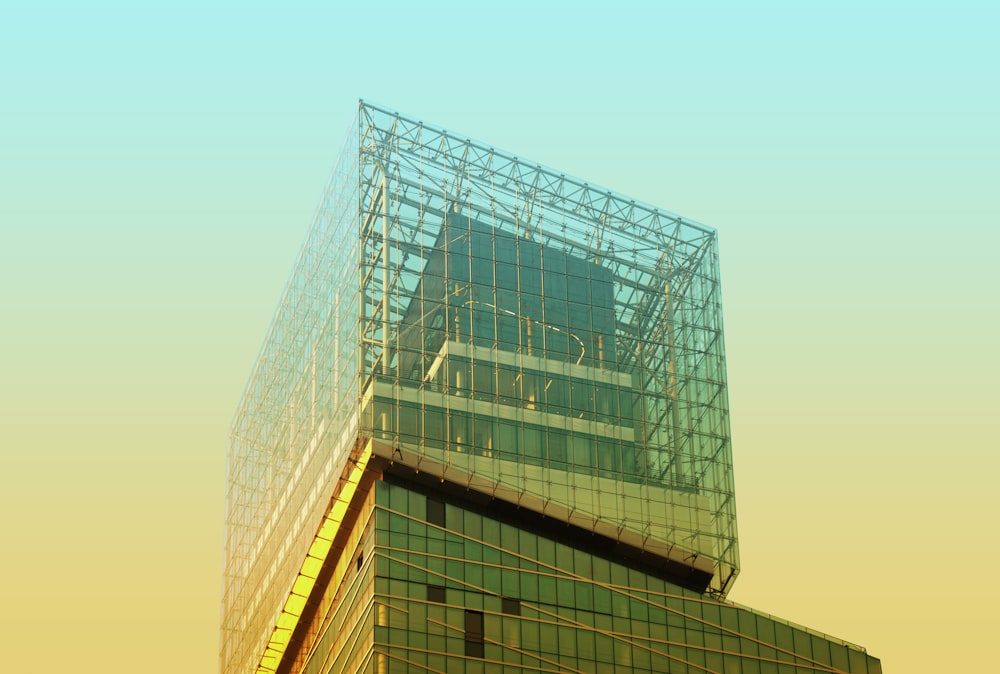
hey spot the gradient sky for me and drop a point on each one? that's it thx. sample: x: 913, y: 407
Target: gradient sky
x: 159, y: 168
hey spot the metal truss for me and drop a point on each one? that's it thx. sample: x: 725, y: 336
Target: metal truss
x: 338, y: 329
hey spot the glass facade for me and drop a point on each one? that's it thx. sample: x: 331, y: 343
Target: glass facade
x: 478, y: 595
x: 294, y: 430
x: 546, y: 341
x: 516, y: 336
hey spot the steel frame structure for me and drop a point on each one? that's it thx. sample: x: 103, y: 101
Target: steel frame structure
x: 337, y: 333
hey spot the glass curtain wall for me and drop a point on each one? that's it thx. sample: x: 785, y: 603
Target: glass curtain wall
x: 527, y: 330
x: 485, y: 319
x: 458, y: 591
x: 296, y: 424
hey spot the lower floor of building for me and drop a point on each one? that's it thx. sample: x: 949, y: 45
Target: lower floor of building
x: 425, y: 581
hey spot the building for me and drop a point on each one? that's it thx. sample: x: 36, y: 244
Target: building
x: 488, y: 432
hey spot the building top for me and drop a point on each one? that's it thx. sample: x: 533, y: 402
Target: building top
x: 499, y: 326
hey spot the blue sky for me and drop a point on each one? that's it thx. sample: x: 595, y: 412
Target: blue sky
x: 159, y: 166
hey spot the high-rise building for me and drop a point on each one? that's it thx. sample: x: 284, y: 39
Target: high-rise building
x: 488, y: 432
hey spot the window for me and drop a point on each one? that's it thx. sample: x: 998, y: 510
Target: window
x: 435, y: 512
x: 436, y: 594
x: 474, y: 634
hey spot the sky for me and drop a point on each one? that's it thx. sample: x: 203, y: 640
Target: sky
x: 160, y: 164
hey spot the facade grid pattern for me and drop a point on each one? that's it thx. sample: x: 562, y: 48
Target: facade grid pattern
x: 296, y: 424
x: 524, y: 329
x: 469, y: 325
x: 539, y: 605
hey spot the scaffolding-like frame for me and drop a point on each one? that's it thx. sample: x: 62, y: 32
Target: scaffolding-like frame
x: 337, y: 332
